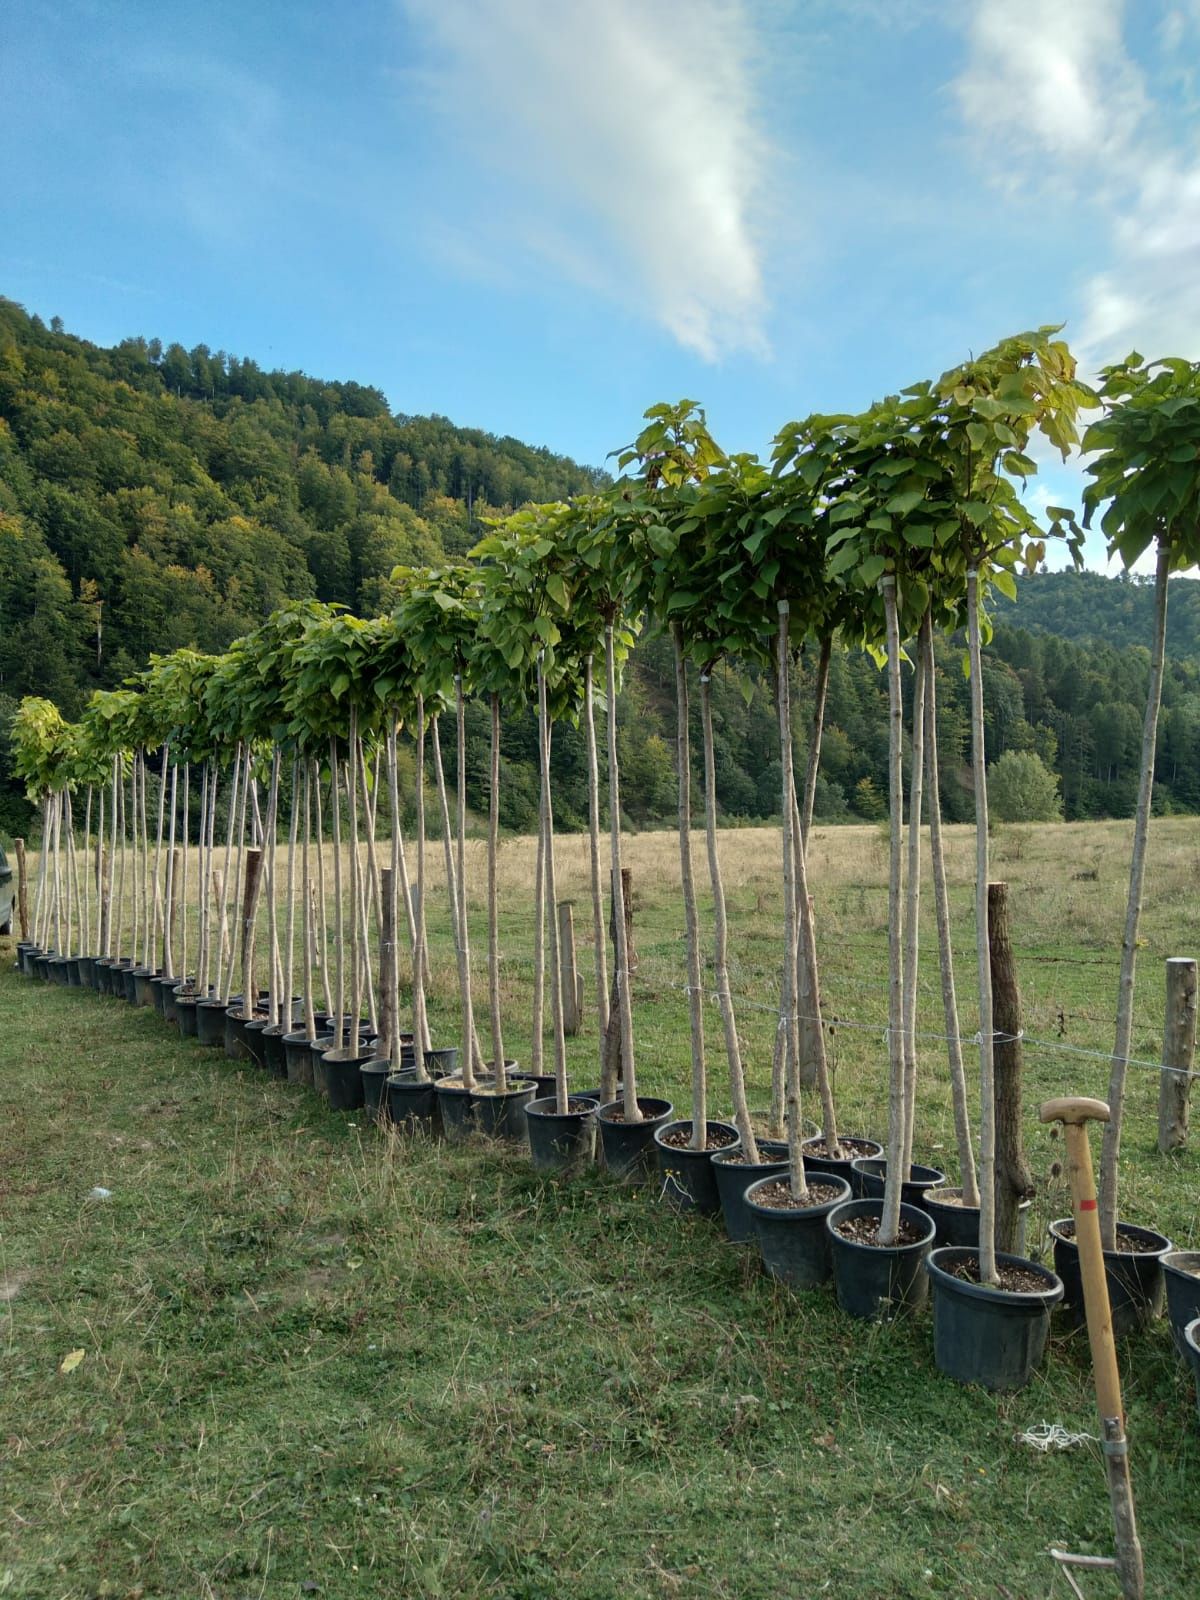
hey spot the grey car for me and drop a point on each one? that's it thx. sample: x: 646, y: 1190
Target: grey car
x: 6, y: 894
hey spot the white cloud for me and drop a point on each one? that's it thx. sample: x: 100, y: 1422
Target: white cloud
x: 633, y: 136
x: 1057, y: 100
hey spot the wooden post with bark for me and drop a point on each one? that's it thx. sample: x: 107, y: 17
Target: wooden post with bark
x: 389, y: 1021
x: 1179, y: 1053
x: 22, y: 890
x: 614, y: 1067
x: 572, y: 982
x: 1014, y: 1179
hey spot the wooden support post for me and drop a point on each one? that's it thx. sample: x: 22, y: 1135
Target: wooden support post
x: 254, y: 861
x: 22, y: 890
x: 1014, y: 1179
x: 612, y: 1072
x: 1179, y: 1053
x: 173, y: 907
x: 571, y: 982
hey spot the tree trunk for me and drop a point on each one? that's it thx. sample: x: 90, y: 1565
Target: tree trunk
x: 1110, y: 1150
x: 551, y: 889
x: 310, y: 919
x: 272, y: 830
x: 814, y: 1063
x: 611, y: 1073
x: 733, y: 1049
x: 890, y: 1220
x: 695, y: 979
x: 568, y: 966
x: 1014, y: 1179
x: 185, y: 819
x: 987, y: 1085
x: 632, y: 1111
x: 22, y: 890
x: 472, y: 1052
x: 321, y: 926
x: 937, y: 855
x: 912, y: 910
x: 464, y: 930
x: 421, y: 1040
x: 339, y: 915
x: 388, y: 1046
x: 358, y: 954
x: 600, y: 960
x: 493, y: 894
x: 250, y: 886
x: 1179, y: 1050
x: 538, y: 1021
x: 287, y: 1016
x: 788, y: 1020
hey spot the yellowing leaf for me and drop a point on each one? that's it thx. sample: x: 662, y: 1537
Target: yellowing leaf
x: 71, y: 1360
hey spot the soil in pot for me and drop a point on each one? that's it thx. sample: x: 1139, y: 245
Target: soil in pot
x: 992, y: 1335
x: 298, y: 1057
x: 873, y: 1280
x: 412, y: 1103
x: 853, y: 1146
x: 561, y: 1141
x: 872, y: 1176
x: 502, y: 1116
x: 629, y: 1146
x: 688, y: 1180
x: 341, y: 1071
x: 1137, y: 1287
x: 793, y: 1237
x: 734, y: 1176
x: 1181, y: 1272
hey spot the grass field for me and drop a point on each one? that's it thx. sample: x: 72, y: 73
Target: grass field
x: 319, y: 1360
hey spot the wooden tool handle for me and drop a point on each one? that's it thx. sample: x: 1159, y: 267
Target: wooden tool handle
x: 1074, y: 1110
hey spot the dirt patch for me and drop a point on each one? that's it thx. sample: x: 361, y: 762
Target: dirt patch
x: 12, y: 1282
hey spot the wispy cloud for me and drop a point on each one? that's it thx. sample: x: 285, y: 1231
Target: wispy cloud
x: 1058, y: 99
x: 633, y: 139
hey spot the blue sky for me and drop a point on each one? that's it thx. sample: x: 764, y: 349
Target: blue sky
x: 541, y: 216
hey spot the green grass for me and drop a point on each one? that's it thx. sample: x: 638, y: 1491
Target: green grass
x: 322, y: 1361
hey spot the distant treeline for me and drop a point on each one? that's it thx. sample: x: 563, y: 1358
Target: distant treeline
x: 157, y: 497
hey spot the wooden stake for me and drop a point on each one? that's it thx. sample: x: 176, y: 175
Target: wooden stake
x: 572, y: 981
x: 1179, y: 1051
x: 22, y: 890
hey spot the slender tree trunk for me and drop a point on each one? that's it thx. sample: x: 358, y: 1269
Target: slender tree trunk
x: 987, y: 1081
x: 398, y: 885
x: 41, y: 897
x: 172, y: 888
x: 135, y: 899
x: 538, y: 1024
x: 912, y: 910
x: 23, y: 888
x: 1014, y: 1180
x: 632, y: 1111
x: 208, y: 796
x: 695, y: 982
x: 890, y: 1220
x: 813, y: 767
x: 230, y: 827
x: 937, y: 855
x: 106, y: 905
x: 310, y: 920
x: 287, y: 1018
x: 149, y: 892
x: 321, y: 926
x: 357, y: 953
x: 252, y: 882
x: 86, y: 944
x: 464, y: 930
x: 159, y: 941
x: 472, y: 1054
x: 1110, y: 1150
x: 733, y: 1049
x: 119, y: 944
x: 272, y: 854
x: 370, y: 886
x: 339, y: 913
x: 421, y: 1040
x: 551, y: 897
x: 814, y: 1062
x: 599, y: 954
x: 72, y: 873
x: 498, y: 1065
x: 787, y: 1008
x: 186, y: 820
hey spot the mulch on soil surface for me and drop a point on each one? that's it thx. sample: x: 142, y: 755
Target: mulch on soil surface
x: 865, y: 1230
x: 1016, y: 1280
x: 778, y: 1196
x: 681, y: 1139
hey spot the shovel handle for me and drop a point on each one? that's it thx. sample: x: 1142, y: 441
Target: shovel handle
x: 1073, y: 1110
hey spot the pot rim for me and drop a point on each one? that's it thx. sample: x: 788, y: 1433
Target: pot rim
x: 546, y: 1107
x: 862, y: 1163
x: 1050, y: 1296
x: 1129, y: 1229
x: 1191, y: 1334
x: 819, y: 1209
x: 645, y: 1102
x: 686, y: 1122
x: 864, y: 1208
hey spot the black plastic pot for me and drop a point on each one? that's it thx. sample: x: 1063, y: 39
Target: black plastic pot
x: 166, y: 992
x: 872, y: 1176
x: 734, y: 1176
x: 442, y: 1063
x: 412, y: 1103
x: 561, y: 1141
x: 795, y: 1243
x: 342, y: 1076
x: 688, y: 1180
x: 87, y: 971
x: 104, y: 974
x: 1181, y: 1273
x: 456, y: 1105
x: 986, y: 1335
x: 56, y: 970
x: 1191, y: 1346
x: 143, y: 986
x: 24, y: 946
x: 316, y: 1049
x: 1137, y: 1285
x: 234, y: 1034
x: 129, y: 975
x: 185, y: 1013
x: 210, y: 1022
x: 252, y: 1041
x: 41, y: 965
x: 877, y: 1281
x: 629, y: 1146
x: 298, y: 1058
x: 274, y: 1058
x: 375, y: 1074
x: 74, y: 978
x: 502, y: 1116
x: 159, y: 987
x: 841, y: 1166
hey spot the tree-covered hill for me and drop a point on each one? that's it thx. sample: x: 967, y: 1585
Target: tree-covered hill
x: 154, y: 497
x: 1087, y: 605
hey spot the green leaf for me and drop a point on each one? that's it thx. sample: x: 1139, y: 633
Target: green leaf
x: 905, y: 501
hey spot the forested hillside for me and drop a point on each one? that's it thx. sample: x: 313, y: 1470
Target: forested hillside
x: 155, y: 497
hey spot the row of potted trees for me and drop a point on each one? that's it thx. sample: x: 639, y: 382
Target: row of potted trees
x: 867, y: 531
